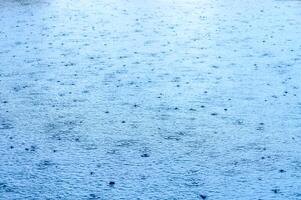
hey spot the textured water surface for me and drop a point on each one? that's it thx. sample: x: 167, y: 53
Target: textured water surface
x: 154, y: 99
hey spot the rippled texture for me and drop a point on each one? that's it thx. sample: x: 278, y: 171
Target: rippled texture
x: 183, y: 99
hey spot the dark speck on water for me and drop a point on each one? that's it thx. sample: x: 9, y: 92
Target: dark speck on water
x: 145, y: 155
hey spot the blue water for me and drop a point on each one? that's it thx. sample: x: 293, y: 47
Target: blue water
x: 162, y: 99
